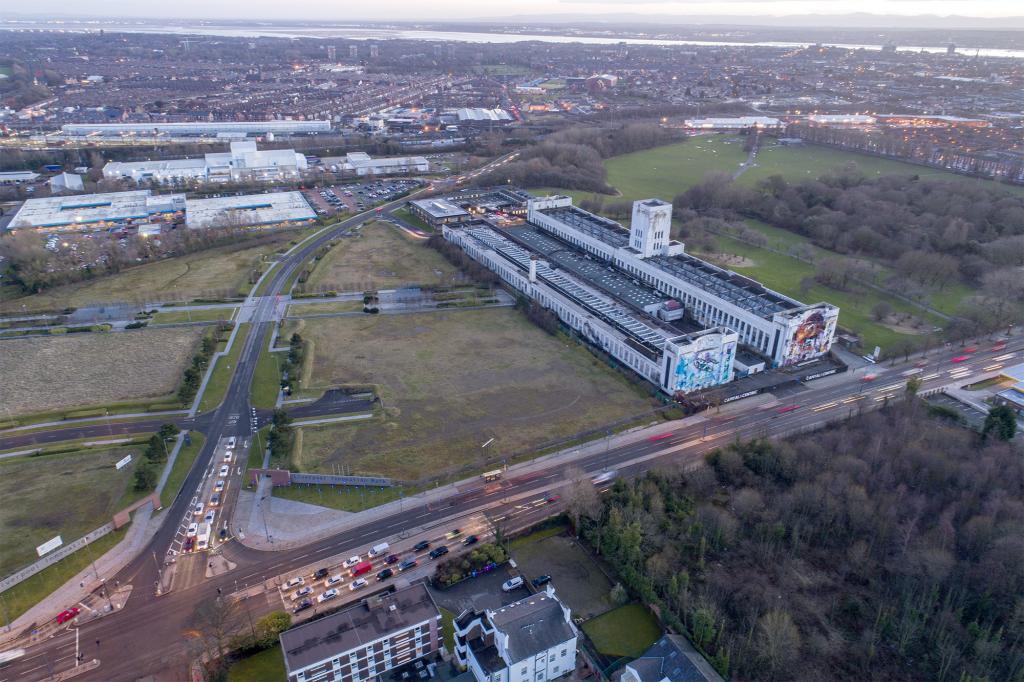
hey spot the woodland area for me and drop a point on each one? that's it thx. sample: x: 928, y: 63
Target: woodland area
x: 932, y: 233
x: 574, y: 158
x: 888, y: 547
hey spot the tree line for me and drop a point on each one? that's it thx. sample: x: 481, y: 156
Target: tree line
x: 573, y: 158
x: 886, y: 547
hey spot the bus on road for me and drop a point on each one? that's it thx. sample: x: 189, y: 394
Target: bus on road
x: 489, y: 476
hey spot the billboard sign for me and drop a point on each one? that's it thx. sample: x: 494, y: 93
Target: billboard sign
x: 123, y: 462
x: 49, y: 546
x: 809, y: 334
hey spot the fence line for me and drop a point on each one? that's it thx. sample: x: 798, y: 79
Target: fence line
x: 53, y: 557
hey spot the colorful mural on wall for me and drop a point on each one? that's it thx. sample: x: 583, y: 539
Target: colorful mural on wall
x: 810, y: 335
x: 706, y: 362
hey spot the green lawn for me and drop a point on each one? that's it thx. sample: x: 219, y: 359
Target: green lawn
x: 627, y: 631
x: 266, y: 380
x: 222, y: 371
x: 407, y: 215
x: 341, y: 497
x: 28, y: 593
x: 67, y: 494
x: 784, y: 273
x: 266, y: 666
x: 666, y: 171
x: 202, y: 315
x: 300, y: 309
x: 186, y: 456
x: 448, y: 628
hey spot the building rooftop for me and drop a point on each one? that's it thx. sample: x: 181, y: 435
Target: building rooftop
x: 253, y: 209
x: 603, y: 276
x: 439, y: 208
x: 354, y: 627
x: 673, y: 658
x: 738, y: 290
x: 532, y: 624
x: 643, y: 330
x: 1015, y: 372
x: 605, y: 229
x: 85, y: 209
x: 483, y: 115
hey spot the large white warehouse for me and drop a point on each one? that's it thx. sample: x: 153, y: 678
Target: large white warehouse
x: 243, y: 161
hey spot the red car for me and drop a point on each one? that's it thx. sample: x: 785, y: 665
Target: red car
x: 999, y: 346
x: 959, y: 358
x: 787, y: 408
x: 66, y: 615
x: 188, y: 545
x: 971, y: 349
x: 553, y: 498
x: 662, y: 436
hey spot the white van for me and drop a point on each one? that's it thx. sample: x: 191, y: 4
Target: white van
x: 377, y: 550
x: 512, y: 584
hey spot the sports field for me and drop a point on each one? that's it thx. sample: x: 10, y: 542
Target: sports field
x: 94, y: 368
x: 379, y: 256
x: 215, y: 273
x: 67, y: 495
x: 450, y: 382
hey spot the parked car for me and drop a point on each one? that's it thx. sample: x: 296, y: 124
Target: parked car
x: 541, y: 580
x: 438, y: 552
x: 512, y: 584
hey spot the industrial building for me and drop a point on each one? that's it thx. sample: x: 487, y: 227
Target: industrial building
x: 254, y: 210
x: 198, y: 128
x: 96, y: 211
x: 674, y: 319
x: 735, y: 123
x: 531, y: 640
x: 437, y: 211
x: 476, y: 116
x: 66, y: 182
x: 362, y: 164
x: 243, y: 162
x: 365, y: 641
x: 140, y: 207
x: 17, y: 177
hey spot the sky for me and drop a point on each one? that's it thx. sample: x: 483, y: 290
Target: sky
x: 397, y: 10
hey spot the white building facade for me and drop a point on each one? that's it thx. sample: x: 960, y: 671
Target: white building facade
x: 531, y: 640
x: 243, y: 162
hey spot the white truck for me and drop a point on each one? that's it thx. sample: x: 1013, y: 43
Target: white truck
x: 377, y: 550
x: 203, y: 537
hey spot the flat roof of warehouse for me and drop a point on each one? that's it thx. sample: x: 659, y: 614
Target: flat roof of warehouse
x: 439, y: 208
x: 605, y: 229
x: 252, y: 209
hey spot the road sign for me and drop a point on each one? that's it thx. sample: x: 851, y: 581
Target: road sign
x: 124, y: 461
x: 49, y: 546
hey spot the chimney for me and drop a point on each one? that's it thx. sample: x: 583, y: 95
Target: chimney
x: 533, y: 269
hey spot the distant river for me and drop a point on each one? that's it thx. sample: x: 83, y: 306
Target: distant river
x: 270, y: 30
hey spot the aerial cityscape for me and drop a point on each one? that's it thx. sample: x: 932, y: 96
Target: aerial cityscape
x: 576, y: 339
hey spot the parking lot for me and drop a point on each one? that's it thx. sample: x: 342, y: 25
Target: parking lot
x: 578, y: 580
x: 479, y: 593
x: 339, y: 199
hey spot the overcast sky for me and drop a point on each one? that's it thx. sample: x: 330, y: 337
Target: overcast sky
x: 396, y: 10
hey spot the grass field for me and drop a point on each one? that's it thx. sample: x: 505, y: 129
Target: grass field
x: 201, y: 315
x: 627, y: 631
x: 300, y: 309
x: 800, y: 162
x: 93, y: 369
x: 266, y: 380
x: 28, y: 593
x: 85, y: 483
x: 222, y: 371
x: 214, y: 273
x: 266, y: 666
x: 186, y: 457
x: 380, y: 256
x: 451, y: 381
x: 340, y: 497
x: 666, y: 171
